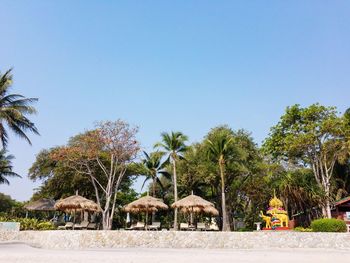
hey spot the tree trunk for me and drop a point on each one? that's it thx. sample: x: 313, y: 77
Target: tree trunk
x: 225, y: 225
x: 175, y: 193
x: 154, y: 195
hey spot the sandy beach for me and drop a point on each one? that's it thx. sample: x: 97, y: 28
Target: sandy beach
x: 17, y: 252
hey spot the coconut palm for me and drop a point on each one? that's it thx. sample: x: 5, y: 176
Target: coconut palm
x: 153, y: 168
x: 6, y: 167
x: 174, y: 145
x: 13, y: 111
x: 218, y: 149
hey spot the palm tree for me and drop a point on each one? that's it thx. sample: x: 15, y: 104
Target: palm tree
x: 153, y: 167
x: 219, y: 150
x: 174, y: 146
x: 6, y: 167
x: 13, y: 111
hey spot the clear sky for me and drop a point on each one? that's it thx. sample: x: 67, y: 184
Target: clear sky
x: 170, y: 65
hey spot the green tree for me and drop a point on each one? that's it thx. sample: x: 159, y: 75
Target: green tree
x: 6, y: 167
x: 13, y: 111
x: 219, y: 150
x: 153, y: 168
x: 174, y: 145
x: 315, y: 137
x: 6, y: 203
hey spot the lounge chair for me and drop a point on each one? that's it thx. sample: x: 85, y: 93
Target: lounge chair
x: 139, y: 226
x: 213, y: 227
x: 184, y: 226
x: 132, y: 227
x: 92, y: 226
x: 201, y: 227
x: 154, y: 226
x: 82, y: 225
x: 68, y: 225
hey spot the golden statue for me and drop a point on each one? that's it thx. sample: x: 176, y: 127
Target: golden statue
x: 277, y: 217
x: 267, y: 219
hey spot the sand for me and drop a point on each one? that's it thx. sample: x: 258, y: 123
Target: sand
x: 17, y: 252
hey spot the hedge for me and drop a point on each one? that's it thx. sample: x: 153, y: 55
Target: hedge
x: 328, y: 225
x: 30, y: 223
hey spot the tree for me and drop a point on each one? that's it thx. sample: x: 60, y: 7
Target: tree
x: 6, y: 203
x: 153, y: 168
x: 6, y: 167
x: 174, y: 146
x: 314, y: 137
x: 13, y: 111
x: 218, y: 150
x: 111, y: 147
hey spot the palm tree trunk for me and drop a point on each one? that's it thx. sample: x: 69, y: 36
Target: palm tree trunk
x: 154, y: 195
x: 175, y: 193
x: 225, y: 225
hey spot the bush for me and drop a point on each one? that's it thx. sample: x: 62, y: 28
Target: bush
x: 302, y: 229
x: 29, y: 223
x: 328, y: 225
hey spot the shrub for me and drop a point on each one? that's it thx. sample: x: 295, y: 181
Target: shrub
x: 29, y: 223
x: 302, y: 229
x: 328, y: 225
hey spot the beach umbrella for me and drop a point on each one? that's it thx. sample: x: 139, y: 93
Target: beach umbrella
x: 195, y: 204
x: 77, y: 202
x: 145, y: 204
x: 43, y: 204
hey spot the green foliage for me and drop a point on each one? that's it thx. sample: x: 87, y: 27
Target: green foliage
x: 6, y: 167
x: 328, y: 225
x: 173, y: 143
x: 6, y: 203
x: 13, y: 111
x: 302, y: 229
x: 314, y: 137
x: 29, y: 223
x: 152, y: 168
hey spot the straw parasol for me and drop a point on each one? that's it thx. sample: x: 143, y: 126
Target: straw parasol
x: 195, y: 204
x: 145, y: 204
x: 210, y: 210
x: 77, y: 202
x: 41, y: 205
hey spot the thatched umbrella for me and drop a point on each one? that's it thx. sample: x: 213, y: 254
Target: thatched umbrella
x: 145, y: 204
x: 210, y: 210
x: 195, y: 204
x: 77, y: 202
x: 41, y: 205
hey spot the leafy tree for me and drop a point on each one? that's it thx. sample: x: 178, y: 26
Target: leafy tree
x: 6, y: 203
x: 6, y: 167
x: 13, y: 111
x: 174, y: 145
x: 111, y: 147
x: 219, y: 150
x: 315, y: 137
x: 153, y: 168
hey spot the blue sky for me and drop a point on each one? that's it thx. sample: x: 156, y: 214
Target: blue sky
x: 170, y: 65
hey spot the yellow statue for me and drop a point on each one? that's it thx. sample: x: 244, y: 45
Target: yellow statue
x: 267, y: 219
x: 277, y: 217
x: 283, y: 219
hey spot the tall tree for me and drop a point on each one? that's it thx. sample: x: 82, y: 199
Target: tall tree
x: 153, y: 168
x: 6, y: 167
x: 315, y: 137
x: 174, y: 145
x: 219, y: 149
x: 13, y: 111
x: 110, y: 148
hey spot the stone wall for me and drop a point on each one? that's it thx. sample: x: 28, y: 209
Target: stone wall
x: 170, y: 239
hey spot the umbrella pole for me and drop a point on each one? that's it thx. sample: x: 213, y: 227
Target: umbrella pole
x: 146, y: 219
x: 191, y: 216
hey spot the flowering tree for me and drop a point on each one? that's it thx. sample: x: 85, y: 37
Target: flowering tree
x: 110, y: 148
